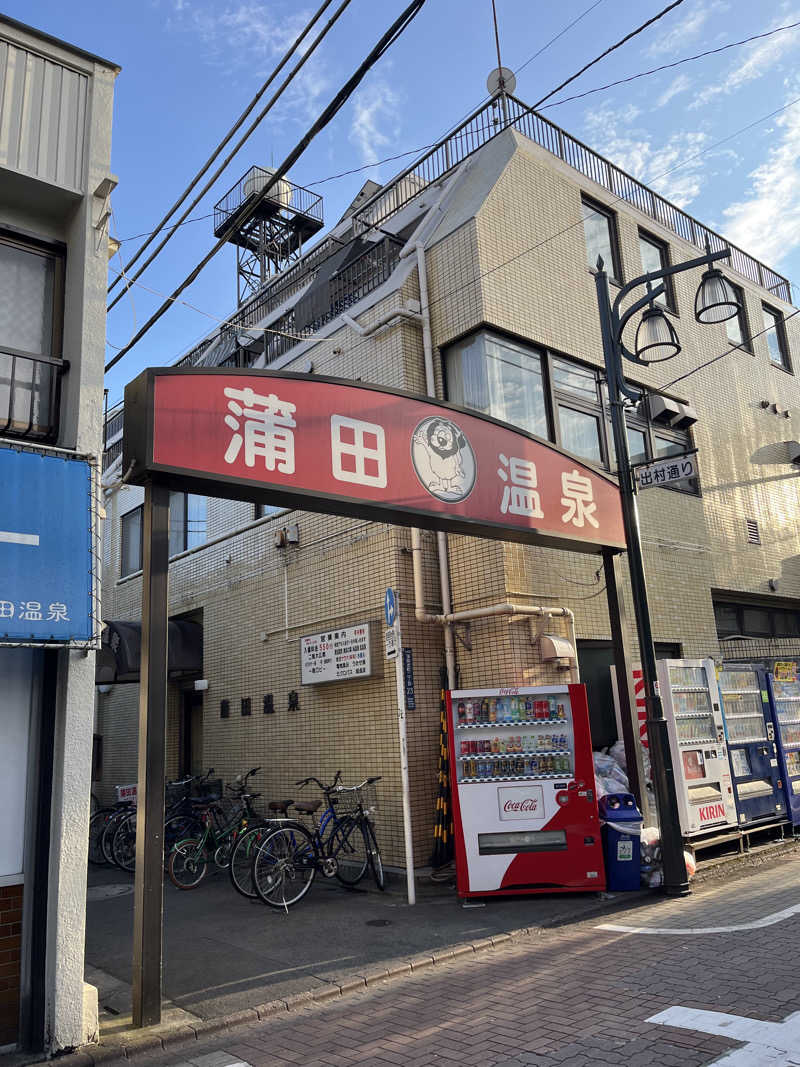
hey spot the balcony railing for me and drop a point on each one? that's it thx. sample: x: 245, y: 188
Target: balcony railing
x: 30, y: 395
x: 285, y: 199
x: 487, y: 122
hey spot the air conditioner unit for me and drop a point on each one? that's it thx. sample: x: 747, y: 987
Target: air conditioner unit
x: 671, y: 413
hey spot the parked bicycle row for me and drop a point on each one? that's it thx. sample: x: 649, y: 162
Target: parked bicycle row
x: 273, y: 858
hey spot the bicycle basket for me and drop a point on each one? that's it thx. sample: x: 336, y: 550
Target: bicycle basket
x: 209, y: 789
x: 347, y: 800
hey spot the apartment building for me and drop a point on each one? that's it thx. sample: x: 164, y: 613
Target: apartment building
x: 491, y: 240
x: 55, y: 139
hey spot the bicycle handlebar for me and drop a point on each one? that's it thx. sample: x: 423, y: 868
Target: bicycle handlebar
x: 325, y: 788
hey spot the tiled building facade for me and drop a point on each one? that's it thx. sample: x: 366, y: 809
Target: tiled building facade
x: 508, y: 237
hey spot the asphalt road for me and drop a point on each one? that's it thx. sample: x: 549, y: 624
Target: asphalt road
x: 674, y: 983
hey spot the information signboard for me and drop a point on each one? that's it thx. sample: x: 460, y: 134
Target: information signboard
x: 335, y: 655
x: 45, y: 548
x: 666, y: 471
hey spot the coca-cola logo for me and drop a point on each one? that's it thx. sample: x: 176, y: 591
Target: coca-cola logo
x: 509, y: 692
x: 528, y: 804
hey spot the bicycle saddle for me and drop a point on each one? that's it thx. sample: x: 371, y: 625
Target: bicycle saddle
x: 308, y: 807
x: 281, y: 806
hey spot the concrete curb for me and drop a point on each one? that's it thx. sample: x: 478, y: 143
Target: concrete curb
x: 184, y: 1035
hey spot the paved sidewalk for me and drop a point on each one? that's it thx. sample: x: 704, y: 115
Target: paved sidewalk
x: 574, y: 996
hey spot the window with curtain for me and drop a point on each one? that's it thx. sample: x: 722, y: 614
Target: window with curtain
x: 31, y: 300
x: 187, y: 521
x: 131, y: 542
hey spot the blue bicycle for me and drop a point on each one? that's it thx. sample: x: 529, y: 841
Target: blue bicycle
x: 341, y: 844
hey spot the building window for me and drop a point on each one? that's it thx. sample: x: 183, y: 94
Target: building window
x: 600, y: 230
x: 776, y: 338
x: 131, y: 555
x: 553, y: 398
x: 187, y: 521
x: 736, y: 328
x: 763, y: 620
x: 500, y: 378
x: 31, y: 317
x: 579, y: 414
x: 264, y: 510
x: 655, y: 257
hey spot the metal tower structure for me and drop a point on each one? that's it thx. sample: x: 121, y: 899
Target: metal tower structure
x: 270, y: 237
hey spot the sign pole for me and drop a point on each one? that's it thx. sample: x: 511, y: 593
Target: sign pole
x: 393, y: 619
x: 149, y: 878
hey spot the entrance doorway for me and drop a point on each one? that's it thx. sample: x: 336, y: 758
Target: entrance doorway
x: 190, y: 744
x: 595, y: 659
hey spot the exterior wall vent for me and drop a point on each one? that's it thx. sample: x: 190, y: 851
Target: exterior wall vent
x: 753, y: 536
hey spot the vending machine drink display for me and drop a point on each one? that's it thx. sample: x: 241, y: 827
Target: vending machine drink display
x: 697, y: 739
x: 757, y: 780
x: 524, y: 803
x: 786, y: 709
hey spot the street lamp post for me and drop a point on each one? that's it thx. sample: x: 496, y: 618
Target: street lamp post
x: 655, y: 341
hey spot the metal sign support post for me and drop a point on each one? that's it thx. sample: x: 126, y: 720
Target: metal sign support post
x: 406, y: 790
x: 149, y: 879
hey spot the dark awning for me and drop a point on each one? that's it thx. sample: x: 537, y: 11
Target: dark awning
x: 121, y: 649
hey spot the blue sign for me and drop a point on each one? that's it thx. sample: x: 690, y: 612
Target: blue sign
x: 390, y: 607
x: 45, y: 547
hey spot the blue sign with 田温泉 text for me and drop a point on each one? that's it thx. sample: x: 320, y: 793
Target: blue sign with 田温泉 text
x: 45, y: 547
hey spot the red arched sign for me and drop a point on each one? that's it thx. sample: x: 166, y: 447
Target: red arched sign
x: 336, y: 446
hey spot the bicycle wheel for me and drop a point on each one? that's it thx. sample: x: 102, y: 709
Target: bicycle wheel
x: 187, y: 863
x: 349, y: 847
x: 110, y: 828
x: 375, y: 861
x: 97, y: 825
x: 284, y: 865
x: 241, y: 868
x: 123, y: 843
x: 178, y: 828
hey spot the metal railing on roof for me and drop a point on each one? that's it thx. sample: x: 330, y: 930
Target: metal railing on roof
x: 489, y: 120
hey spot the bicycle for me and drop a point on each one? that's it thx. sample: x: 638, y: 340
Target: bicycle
x: 287, y: 860
x: 241, y: 865
x: 180, y: 820
x: 188, y: 861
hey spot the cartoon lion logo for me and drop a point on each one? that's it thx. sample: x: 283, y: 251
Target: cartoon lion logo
x: 443, y: 459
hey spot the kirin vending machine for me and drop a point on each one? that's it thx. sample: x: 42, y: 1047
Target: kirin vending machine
x: 524, y: 804
x: 757, y: 780
x: 785, y: 696
x: 697, y: 739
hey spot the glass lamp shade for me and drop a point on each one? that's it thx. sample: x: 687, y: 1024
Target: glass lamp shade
x: 656, y: 339
x: 715, y: 300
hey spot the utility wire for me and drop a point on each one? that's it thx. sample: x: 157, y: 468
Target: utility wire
x: 676, y: 63
x: 275, y: 96
x: 554, y: 103
x: 385, y: 42
x: 222, y: 143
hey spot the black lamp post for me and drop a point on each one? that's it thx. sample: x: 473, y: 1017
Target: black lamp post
x: 656, y: 341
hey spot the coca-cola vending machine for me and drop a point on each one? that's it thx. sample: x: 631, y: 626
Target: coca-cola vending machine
x: 524, y: 805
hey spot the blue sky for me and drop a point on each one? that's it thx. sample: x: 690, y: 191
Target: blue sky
x: 191, y: 66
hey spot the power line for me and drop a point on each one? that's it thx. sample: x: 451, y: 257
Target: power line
x: 226, y: 139
x: 727, y: 352
x: 553, y: 40
x: 676, y: 63
x: 554, y: 103
x: 275, y: 96
x: 385, y: 42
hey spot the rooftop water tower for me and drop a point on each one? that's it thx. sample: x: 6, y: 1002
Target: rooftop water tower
x: 268, y: 231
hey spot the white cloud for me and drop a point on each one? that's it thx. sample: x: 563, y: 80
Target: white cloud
x: 254, y: 36
x: 677, y: 35
x: 760, y: 58
x: 656, y: 164
x: 678, y: 85
x: 767, y: 222
x: 376, y: 119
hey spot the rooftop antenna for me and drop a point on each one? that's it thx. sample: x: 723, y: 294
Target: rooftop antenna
x: 500, y: 81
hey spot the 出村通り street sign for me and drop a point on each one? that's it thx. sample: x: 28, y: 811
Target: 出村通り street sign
x: 665, y: 471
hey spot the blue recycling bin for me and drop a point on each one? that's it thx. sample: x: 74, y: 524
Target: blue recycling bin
x: 622, y: 841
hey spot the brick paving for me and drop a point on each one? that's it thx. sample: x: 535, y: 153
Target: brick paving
x: 570, y: 997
